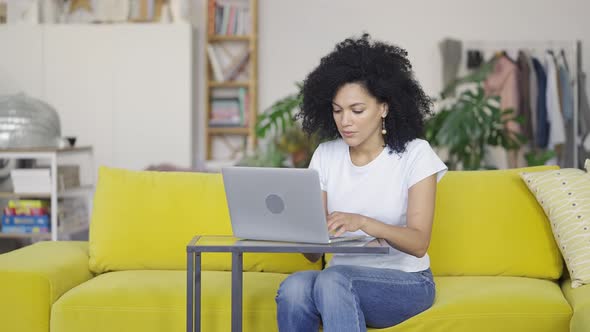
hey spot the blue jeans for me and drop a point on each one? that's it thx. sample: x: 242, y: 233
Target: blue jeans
x: 350, y: 298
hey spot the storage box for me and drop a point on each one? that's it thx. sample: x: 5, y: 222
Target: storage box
x: 31, y: 180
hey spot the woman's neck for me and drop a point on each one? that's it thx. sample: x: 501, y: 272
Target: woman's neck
x: 362, y: 155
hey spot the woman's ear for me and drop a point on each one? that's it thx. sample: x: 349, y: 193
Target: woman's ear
x: 384, y: 110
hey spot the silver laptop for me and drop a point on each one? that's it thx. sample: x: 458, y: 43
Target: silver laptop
x: 277, y: 204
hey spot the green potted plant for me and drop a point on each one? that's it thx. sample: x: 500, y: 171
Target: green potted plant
x: 469, y: 121
x: 287, y: 144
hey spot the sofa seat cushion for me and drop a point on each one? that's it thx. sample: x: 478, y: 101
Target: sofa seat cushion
x: 579, y: 298
x: 483, y: 304
x: 147, y: 301
x: 155, y: 301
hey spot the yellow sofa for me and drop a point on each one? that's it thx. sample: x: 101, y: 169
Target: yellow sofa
x: 493, y: 255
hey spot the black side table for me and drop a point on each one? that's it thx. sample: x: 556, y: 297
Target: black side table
x: 237, y: 247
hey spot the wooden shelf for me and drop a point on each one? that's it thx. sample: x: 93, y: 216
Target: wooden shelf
x: 72, y: 192
x: 13, y: 195
x: 215, y: 38
x: 72, y: 229
x: 76, y: 192
x: 229, y: 130
x: 231, y: 48
x: 48, y: 149
x: 36, y: 236
x: 230, y: 84
x: 54, y: 194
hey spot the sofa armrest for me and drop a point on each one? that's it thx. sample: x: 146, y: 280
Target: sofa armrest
x: 579, y: 299
x: 34, y: 277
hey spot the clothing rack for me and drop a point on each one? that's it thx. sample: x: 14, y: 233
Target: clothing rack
x: 572, y: 53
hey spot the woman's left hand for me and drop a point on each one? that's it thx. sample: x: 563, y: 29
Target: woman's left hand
x: 344, y: 222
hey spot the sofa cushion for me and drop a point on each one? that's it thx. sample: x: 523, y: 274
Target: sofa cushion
x: 144, y: 220
x: 564, y: 195
x: 489, y: 304
x: 579, y: 299
x: 34, y: 277
x: 488, y: 223
x: 156, y: 301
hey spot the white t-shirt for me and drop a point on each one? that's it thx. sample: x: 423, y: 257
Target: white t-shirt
x: 378, y: 190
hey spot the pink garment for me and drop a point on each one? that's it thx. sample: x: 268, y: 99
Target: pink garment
x: 503, y: 82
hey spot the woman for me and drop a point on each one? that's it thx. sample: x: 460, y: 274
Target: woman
x: 378, y: 178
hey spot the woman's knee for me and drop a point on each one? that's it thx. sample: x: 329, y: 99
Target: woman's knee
x: 331, y: 283
x: 297, y: 288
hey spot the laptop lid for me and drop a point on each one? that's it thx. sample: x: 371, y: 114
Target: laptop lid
x: 278, y: 204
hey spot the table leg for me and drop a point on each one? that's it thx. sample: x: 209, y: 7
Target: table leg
x: 189, y: 290
x: 197, y: 287
x: 236, y: 291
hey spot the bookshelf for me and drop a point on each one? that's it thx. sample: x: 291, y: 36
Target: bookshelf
x: 63, y: 220
x: 231, y: 99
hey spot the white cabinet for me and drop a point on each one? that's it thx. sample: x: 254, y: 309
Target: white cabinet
x: 125, y: 89
x: 51, y: 158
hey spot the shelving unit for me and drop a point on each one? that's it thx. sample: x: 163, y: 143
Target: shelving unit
x: 54, y: 156
x: 231, y: 24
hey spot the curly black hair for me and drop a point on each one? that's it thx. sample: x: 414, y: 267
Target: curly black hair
x: 384, y: 71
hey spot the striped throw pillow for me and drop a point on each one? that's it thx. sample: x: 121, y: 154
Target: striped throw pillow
x: 564, y: 195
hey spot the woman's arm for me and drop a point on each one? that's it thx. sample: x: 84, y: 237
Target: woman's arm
x: 412, y: 239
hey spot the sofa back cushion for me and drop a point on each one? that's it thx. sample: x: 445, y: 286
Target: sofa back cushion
x: 488, y: 223
x: 144, y: 220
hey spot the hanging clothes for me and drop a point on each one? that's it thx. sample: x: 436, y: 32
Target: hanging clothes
x: 567, y: 94
x: 524, y: 87
x: 567, y: 108
x: 554, y: 116
x: 584, y: 120
x: 533, y: 97
x: 542, y: 136
x: 450, y: 50
x: 503, y: 82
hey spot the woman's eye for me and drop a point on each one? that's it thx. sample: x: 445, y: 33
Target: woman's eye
x: 358, y: 111
x: 336, y: 111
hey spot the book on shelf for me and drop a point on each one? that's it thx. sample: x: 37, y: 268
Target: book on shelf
x: 228, y: 18
x: 30, y: 207
x: 42, y: 220
x: 215, y: 65
x: 229, y: 107
x: 26, y: 216
x: 25, y: 229
x: 145, y: 10
x: 225, y: 112
x: 228, y: 63
x: 237, y: 66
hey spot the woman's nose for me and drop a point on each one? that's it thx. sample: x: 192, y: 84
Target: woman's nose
x: 346, y: 118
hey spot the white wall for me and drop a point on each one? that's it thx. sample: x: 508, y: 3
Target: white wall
x: 298, y: 33
x: 295, y: 34
x: 123, y: 89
